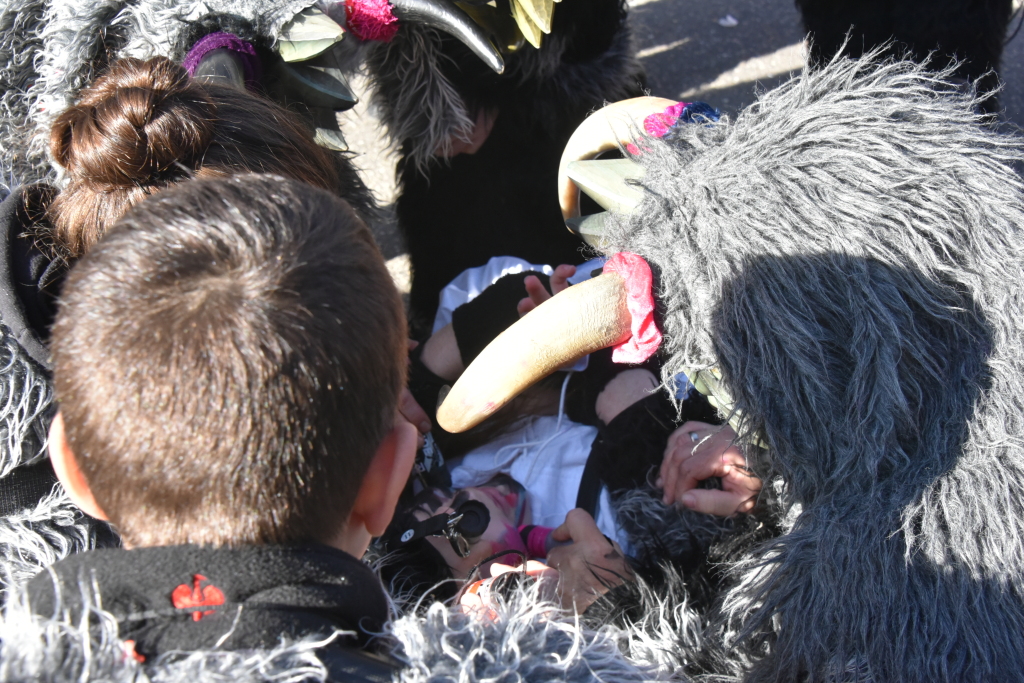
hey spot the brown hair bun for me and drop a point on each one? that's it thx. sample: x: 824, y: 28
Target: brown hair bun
x: 144, y: 126
x: 137, y: 125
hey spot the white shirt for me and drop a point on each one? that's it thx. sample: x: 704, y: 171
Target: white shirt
x: 548, y: 461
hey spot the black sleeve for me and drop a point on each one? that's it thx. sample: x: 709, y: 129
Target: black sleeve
x: 479, y: 321
x: 625, y: 452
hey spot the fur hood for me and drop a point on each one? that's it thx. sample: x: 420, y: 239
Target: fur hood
x: 429, y: 88
x: 848, y: 253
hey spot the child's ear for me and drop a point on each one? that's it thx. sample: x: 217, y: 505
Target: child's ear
x: 386, y: 478
x: 65, y: 466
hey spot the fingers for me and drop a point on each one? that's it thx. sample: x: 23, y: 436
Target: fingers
x: 533, y: 568
x: 680, y: 447
x: 588, y: 566
x: 560, y: 278
x: 537, y: 293
x: 698, y: 451
x: 578, y: 527
x: 720, y: 503
x: 681, y: 444
x: 413, y: 412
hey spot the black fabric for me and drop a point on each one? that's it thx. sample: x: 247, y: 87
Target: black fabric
x: 477, y: 322
x: 625, y: 452
x: 25, y: 486
x: 29, y: 279
x: 265, y: 592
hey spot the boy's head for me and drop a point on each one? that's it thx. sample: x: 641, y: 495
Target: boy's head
x: 228, y: 361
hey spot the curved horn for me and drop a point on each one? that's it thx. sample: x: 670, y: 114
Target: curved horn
x: 607, y: 128
x: 584, y: 318
x: 445, y: 16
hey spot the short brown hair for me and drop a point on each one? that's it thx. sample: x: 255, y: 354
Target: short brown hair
x: 144, y: 125
x: 227, y: 360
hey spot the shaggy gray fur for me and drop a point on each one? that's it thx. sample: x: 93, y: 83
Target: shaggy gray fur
x: 50, y: 49
x: 849, y: 251
x: 53, y: 529
x: 659, y: 530
x: 415, y: 101
x: 37, y: 537
x: 527, y: 637
x: 420, y: 106
x: 26, y: 397
x: 525, y: 641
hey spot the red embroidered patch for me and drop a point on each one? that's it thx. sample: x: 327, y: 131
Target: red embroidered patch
x: 185, y: 596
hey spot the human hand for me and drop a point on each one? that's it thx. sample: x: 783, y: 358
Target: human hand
x: 698, y: 451
x: 590, y: 565
x: 538, y: 294
x: 413, y: 412
x: 441, y: 354
x: 410, y: 409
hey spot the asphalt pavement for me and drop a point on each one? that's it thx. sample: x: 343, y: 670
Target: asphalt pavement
x: 723, y: 52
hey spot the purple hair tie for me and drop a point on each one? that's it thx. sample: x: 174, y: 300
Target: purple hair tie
x: 227, y: 41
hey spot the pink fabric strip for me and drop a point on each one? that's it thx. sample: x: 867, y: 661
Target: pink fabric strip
x: 646, y: 337
x: 371, y: 19
x: 659, y: 123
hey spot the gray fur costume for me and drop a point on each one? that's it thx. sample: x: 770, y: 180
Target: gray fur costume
x: 849, y: 253
x: 524, y: 642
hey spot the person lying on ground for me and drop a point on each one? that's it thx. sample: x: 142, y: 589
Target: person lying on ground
x: 547, y: 483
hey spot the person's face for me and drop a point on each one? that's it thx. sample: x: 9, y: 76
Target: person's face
x: 505, y: 500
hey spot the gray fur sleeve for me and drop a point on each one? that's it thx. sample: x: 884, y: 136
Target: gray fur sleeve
x: 54, y: 528
x: 525, y: 636
x: 849, y: 251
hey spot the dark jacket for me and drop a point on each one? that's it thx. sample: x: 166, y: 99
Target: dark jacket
x: 185, y: 598
x: 30, y: 278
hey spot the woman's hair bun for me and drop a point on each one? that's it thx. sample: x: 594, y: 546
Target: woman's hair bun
x: 141, y: 123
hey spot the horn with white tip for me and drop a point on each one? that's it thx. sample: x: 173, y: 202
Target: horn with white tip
x: 608, y: 128
x: 582, y: 319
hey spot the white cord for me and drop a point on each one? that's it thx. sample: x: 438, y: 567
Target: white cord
x: 542, y: 444
x: 519, y: 449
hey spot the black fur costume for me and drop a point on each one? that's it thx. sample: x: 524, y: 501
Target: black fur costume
x: 457, y: 213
